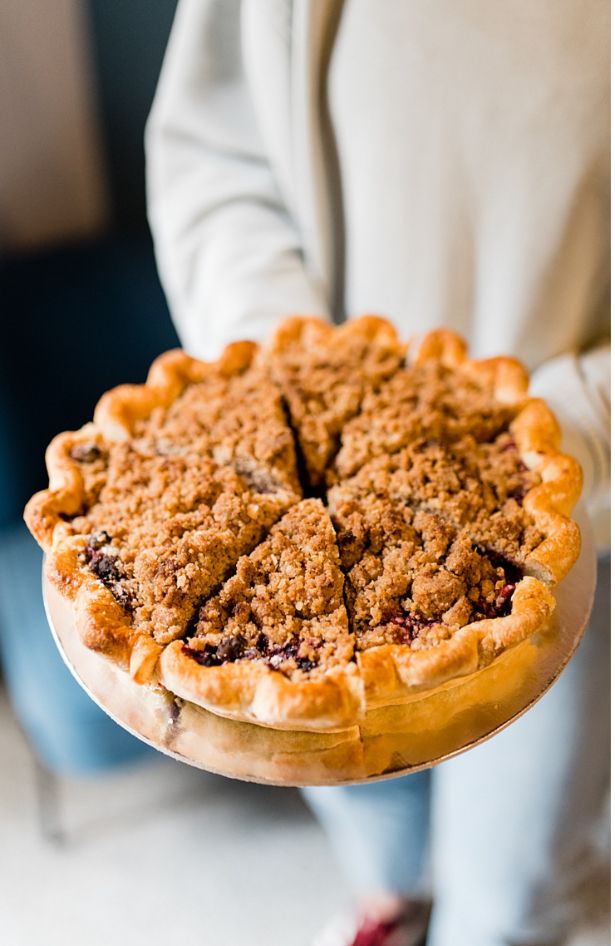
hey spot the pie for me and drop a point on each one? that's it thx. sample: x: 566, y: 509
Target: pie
x: 296, y: 534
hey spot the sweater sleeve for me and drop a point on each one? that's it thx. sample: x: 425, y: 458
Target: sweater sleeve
x: 578, y: 389
x: 228, y: 252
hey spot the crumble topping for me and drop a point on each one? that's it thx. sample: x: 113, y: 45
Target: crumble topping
x: 165, y: 530
x: 413, y: 578
x: 284, y: 604
x: 236, y: 419
x: 324, y: 383
x: 92, y: 457
x: 422, y: 402
x: 473, y: 485
x: 168, y: 513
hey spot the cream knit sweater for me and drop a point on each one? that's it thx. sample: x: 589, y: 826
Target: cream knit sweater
x: 442, y: 163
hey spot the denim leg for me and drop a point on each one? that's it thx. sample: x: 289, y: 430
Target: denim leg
x: 513, y: 819
x: 378, y: 831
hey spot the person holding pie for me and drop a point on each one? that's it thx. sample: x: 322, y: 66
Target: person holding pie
x: 446, y: 165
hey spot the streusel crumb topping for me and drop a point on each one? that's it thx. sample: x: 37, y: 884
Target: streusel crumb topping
x: 422, y: 402
x: 168, y: 513
x: 324, y: 383
x: 284, y: 604
x: 165, y: 530
x: 236, y: 419
x: 473, y: 485
x: 412, y: 578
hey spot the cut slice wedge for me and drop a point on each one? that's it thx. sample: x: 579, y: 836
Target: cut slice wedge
x: 274, y: 645
x: 324, y: 373
x: 425, y: 603
x: 151, y: 506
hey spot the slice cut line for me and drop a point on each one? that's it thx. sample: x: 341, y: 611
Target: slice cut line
x: 324, y: 373
x: 274, y: 643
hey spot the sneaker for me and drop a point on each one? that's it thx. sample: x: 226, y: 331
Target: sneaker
x: 408, y: 928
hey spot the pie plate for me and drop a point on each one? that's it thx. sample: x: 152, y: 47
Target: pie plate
x: 390, y: 741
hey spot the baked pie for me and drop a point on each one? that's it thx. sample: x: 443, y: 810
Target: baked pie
x: 296, y: 534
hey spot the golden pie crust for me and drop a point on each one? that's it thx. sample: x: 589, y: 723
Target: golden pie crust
x: 216, y: 455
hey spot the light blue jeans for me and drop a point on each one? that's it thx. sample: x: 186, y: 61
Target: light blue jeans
x: 506, y: 827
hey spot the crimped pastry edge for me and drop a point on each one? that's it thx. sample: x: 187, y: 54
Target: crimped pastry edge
x: 114, y: 417
x: 503, y: 375
x: 385, y: 674
x: 64, y: 496
x: 170, y: 373
x: 100, y: 621
x: 392, y: 673
x: 252, y: 692
x: 550, y: 503
x: 315, y: 331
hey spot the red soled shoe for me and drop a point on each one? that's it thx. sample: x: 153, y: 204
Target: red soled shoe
x: 408, y: 927
x: 375, y: 932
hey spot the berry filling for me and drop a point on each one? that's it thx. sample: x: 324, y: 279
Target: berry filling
x: 426, y: 490
x: 86, y: 452
x: 103, y: 559
x: 276, y: 656
x: 231, y: 649
x: 512, y: 571
x: 207, y: 657
x: 413, y: 578
x: 410, y: 626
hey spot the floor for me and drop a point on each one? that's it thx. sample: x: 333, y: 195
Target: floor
x: 163, y: 853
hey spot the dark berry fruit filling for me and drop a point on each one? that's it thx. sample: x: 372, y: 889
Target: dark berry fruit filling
x: 86, y: 452
x: 122, y: 596
x: 305, y: 664
x: 503, y: 603
x: 105, y: 567
x: 289, y: 651
x: 512, y: 572
x: 262, y: 643
x: 228, y: 650
x: 206, y: 657
x: 103, y: 559
x: 234, y: 648
x: 231, y: 648
x: 408, y: 626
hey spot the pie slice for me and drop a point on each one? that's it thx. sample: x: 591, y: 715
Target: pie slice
x: 274, y: 644
x: 324, y: 373
x: 440, y: 396
x: 151, y: 506
x: 425, y: 602
x: 228, y: 410
x: 488, y: 489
